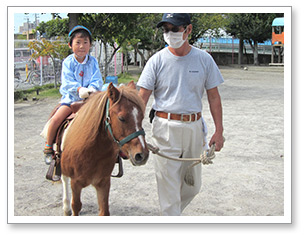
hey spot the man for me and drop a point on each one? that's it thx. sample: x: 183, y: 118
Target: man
x: 178, y: 76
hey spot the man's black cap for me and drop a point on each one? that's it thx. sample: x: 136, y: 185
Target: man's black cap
x: 176, y: 19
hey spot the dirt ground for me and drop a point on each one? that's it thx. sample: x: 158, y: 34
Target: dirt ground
x: 246, y: 179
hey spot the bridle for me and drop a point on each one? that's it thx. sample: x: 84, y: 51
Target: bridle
x: 108, y: 127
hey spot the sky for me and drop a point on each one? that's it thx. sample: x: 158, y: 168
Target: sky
x: 20, y: 18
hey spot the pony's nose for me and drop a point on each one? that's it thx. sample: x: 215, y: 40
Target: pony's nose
x: 140, y: 158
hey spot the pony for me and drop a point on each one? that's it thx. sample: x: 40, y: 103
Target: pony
x: 108, y: 123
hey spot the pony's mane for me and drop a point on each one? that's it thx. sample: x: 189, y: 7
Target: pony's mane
x: 132, y: 95
x: 87, y: 123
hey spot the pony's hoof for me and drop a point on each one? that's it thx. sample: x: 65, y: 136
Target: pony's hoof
x: 67, y: 213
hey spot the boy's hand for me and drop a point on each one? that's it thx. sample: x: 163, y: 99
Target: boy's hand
x: 92, y: 89
x: 84, y: 92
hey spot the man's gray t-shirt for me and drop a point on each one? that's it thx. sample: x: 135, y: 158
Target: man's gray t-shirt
x: 179, y: 82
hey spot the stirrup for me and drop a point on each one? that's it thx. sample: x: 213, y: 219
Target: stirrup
x: 120, y: 168
x: 54, y: 171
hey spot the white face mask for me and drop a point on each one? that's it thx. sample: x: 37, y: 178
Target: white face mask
x: 174, y: 40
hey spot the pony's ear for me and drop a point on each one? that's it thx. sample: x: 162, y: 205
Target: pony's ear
x: 131, y: 85
x: 113, y: 93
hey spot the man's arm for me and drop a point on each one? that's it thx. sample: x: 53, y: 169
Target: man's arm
x: 145, y: 94
x: 215, y: 105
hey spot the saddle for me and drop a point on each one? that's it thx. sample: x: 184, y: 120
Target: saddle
x: 54, y: 171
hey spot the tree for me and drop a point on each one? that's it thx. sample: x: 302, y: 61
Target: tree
x: 134, y: 30
x: 73, y: 20
x: 254, y: 28
x: 112, y: 29
x: 146, y: 37
x: 53, y: 28
x: 55, y: 50
x: 210, y: 23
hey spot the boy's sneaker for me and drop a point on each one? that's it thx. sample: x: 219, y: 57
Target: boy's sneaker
x: 48, y: 154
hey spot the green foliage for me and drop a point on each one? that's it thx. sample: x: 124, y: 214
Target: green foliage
x: 21, y: 37
x: 149, y: 37
x: 251, y: 26
x: 45, y: 91
x: 18, y: 95
x: 126, y: 78
x: 55, y: 50
x: 134, y: 31
x: 206, y: 22
x: 54, y: 28
x: 110, y: 27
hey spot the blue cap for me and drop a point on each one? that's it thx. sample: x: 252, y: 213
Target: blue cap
x: 176, y: 19
x: 78, y: 27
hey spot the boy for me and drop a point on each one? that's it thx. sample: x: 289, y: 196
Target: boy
x: 80, y: 76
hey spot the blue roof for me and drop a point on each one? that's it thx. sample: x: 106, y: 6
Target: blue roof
x: 278, y: 21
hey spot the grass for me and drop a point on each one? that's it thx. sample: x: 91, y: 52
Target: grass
x: 38, y: 92
x: 127, y: 77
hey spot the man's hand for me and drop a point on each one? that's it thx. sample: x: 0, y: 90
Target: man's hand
x: 218, y: 139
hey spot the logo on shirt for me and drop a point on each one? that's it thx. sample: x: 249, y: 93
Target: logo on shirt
x: 193, y: 71
x: 81, y: 74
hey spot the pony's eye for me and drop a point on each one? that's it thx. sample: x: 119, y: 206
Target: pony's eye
x: 121, y: 119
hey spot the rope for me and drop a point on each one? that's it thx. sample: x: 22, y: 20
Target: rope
x: 205, y: 158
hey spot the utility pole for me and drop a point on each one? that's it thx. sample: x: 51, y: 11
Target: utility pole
x: 27, y: 27
x: 36, y: 24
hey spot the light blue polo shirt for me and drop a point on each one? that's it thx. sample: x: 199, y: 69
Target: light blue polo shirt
x: 179, y: 82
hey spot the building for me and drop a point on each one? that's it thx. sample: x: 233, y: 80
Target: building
x: 28, y: 29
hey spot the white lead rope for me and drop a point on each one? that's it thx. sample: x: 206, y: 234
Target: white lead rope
x: 205, y: 158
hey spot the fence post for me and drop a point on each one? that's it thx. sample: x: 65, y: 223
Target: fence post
x: 232, y: 62
x: 41, y: 70
x: 26, y: 71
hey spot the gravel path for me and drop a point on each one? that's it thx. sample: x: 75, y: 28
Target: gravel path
x: 246, y: 179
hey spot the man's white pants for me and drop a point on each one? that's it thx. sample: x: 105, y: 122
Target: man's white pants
x: 180, y: 140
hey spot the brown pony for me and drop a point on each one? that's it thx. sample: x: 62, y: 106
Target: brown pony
x: 93, y: 141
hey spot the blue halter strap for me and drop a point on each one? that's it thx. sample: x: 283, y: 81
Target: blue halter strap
x: 108, y: 127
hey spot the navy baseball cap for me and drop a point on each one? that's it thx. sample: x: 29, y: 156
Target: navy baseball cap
x: 78, y: 27
x: 176, y: 19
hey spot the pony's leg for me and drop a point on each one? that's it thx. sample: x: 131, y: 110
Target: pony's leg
x: 66, y: 197
x: 103, y: 188
x: 76, y: 191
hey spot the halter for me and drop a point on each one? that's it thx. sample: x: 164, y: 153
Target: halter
x: 125, y: 140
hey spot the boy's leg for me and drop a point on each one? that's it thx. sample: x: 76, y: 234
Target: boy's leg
x: 62, y: 112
